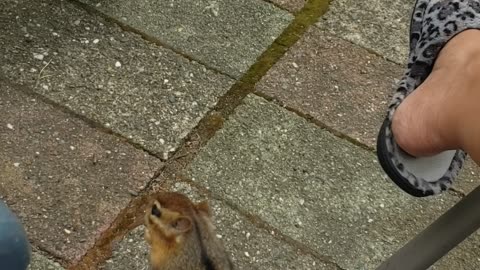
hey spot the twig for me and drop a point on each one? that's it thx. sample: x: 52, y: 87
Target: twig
x: 39, y: 77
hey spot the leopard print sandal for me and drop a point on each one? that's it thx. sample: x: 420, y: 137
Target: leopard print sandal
x: 433, y: 24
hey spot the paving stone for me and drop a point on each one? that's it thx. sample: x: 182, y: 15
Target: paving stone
x: 227, y: 35
x: 130, y: 253
x: 40, y: 262
x: 314, y: 187
x: 380, y: 25
x: 142, y: 91
x: 249, y: 246
x: 341, y: 85
x: 290, y: 5
x: 65, y: 180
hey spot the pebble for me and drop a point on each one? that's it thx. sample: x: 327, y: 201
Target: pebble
x: 133, y: 193
x: 214, y: 8
x: 38, y: 56
x: 95, y: 41
x: 118, y: 64
x: 67, y: 231
x: 10, y: 126
x: 16, y: 164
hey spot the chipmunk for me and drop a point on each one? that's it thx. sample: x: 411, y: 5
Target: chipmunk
x: 181, y: 235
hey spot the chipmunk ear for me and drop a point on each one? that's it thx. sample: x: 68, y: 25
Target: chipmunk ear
x: 182, y: 224
x: 156, y: 209
x: 204, y: 208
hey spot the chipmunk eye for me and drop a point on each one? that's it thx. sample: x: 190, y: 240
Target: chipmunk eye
x: 156, y: 212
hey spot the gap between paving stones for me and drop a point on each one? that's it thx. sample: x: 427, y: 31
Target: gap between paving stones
x: 127, y: 220
x: 304, y: 19
x: 260, y: 223
x: 453, y: 191
x: 317, y: 122
x: 207, y: 127
x: 39, y: 250
x: 127, y: 213
x: 124, y: 212
x: 145, y: 36
x: 41, y: 260
x: 26, y: 90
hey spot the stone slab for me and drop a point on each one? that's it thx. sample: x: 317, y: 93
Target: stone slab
x: 342, y: 86
x: 132, y: 252
x: 40, y: 262
x: 249, y: 246
x: 318, y: 189
x: 336, y: 82
x: 227, y: 35
x: 65, y: 180
x: 140, y: 90
x: 290, y: 5
x: 379, y: 25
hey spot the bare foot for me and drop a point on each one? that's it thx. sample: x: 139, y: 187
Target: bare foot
x: 442, y: 114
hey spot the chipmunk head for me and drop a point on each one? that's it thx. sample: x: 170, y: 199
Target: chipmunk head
x: 170, y: 217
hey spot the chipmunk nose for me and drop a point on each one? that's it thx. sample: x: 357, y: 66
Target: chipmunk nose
x: 156, y: 212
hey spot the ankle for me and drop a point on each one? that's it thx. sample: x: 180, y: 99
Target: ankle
x: 461, y: 51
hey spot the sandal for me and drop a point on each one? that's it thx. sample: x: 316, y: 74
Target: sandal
x: 433, y: 24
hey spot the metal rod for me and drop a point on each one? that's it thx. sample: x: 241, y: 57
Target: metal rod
x: 440, y: 237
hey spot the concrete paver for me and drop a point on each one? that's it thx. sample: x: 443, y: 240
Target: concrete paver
x: 131, y: 252
x: 227, y: 35
x: 316, y: 188
x: 141, y: 91
x: 40, y: 262
x: 249, y: 246
x: 379, y: 25
x: 341, y: 85
x: 65, y: 180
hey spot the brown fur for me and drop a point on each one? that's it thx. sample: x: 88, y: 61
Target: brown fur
x: 181, y: 235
